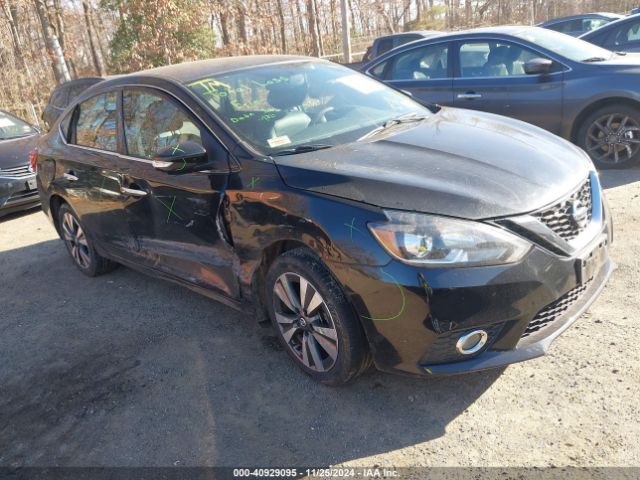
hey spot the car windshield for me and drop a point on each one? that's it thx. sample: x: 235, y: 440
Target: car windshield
x: 565, y: 45
x: 277, y: 108
x: 12, y: 127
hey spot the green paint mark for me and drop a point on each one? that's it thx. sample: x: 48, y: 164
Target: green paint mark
x: 254, y: 182
x: 351, y: 227
x: 428, y: 370
x: 184, y: 165
x: 170, y: 209
x: 176, y: 148
x: 402, y: 307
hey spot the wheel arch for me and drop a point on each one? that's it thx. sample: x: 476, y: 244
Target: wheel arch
x: 596, y: 105
x: 268, y: 256
x: 55, y: 202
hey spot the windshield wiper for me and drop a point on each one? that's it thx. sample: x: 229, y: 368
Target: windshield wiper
x: 594, y: 59
x: 310, y: 147
x: 408, y: 118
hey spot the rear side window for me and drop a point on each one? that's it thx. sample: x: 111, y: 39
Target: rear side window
x: 96, y: 124
x: 423, y: 63
x: 152, y: 122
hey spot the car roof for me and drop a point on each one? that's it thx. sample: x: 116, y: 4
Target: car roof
x: 611, y: 25
x: 578, y: 17
x: 411, y: 32
x: 191, y: 71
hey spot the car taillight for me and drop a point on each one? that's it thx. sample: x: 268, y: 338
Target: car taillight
x: 33, y: 160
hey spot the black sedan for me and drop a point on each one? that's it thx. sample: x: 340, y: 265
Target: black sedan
x: 364, y: 225
x: 18, y: 190
x: 582, y: 92
x: 621, y: 36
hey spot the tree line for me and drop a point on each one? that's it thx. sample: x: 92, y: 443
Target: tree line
x: 47, y: 42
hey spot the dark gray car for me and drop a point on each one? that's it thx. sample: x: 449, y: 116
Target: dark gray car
x: 621, y: 36
x: 576, y: 25
x: 586, y: 94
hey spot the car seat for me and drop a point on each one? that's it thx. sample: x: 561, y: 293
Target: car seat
x: 288, y: 98
x: 496, y: 65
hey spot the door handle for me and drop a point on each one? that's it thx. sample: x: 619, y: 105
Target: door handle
x: 70, y: 176
x: 134, y: 192
x: 469, y: 96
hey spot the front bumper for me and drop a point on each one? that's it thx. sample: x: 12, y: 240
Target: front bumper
x: 17, y: 194
x: 413, y: 316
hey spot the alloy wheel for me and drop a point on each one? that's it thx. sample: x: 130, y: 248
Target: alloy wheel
x: 613, y: 138
x: 76, y: 240
x: 305, y: 322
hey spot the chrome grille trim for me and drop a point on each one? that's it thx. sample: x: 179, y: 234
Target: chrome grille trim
x: 559, y: 218
x: 16, y: 172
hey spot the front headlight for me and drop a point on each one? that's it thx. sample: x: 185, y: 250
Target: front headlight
x: 430, y: 240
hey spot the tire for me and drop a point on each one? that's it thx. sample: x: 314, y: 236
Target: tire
x: 337, y: 355
x: 79, y: 244
x: 609, y: 142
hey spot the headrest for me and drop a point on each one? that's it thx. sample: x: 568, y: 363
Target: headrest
x: 498, y: 55
x: 286, y: 95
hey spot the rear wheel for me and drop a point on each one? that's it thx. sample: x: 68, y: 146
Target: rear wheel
x: 314, y: 320
x: 79, y: 244
x: 611, y: 136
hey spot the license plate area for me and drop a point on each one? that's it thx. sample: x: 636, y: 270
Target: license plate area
x: 588, y: 264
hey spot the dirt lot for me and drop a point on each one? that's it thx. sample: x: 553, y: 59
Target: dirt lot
x: 129, y: 371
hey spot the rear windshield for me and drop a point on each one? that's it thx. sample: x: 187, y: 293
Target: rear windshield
x: 12, y: 127
x: 565, y: 45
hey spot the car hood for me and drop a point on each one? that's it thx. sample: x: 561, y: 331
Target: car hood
x: 630, y: 60
x: 14, y: 153
x: 458, y: 163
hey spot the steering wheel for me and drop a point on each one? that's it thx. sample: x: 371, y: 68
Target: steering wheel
x: 319, y: 117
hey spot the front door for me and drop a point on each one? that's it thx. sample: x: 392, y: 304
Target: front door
x: 176, y: 218
x: 490, y: 77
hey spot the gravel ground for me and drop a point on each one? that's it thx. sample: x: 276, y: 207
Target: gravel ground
x: 125, y: 370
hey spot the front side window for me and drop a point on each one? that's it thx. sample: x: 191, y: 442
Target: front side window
x: 284, y: 105
x: 96, y: 124
x: 422, y: 63
x: 12, y: 127
x: 493, y: 59
x: 152, y: 123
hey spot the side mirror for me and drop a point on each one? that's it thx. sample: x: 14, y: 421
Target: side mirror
x: 538, y: 66
x: 182, y: 156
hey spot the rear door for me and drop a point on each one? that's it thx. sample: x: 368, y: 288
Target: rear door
x: 89, y: 171
x: 176, y: 218
x: 490, y: 77
x: 423, y: 70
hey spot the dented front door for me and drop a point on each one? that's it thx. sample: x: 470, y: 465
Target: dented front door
x: 177, y: 218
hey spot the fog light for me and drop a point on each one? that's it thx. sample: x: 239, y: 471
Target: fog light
x: 471, y: 342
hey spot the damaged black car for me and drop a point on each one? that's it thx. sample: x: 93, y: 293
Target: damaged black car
x: 366, y: 227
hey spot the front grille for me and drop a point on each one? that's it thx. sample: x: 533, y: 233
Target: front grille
x: 16, y: 172
x: 559, y: 217
x: 553, y: 311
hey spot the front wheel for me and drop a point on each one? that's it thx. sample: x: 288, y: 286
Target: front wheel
x: 611, y: 136
x: 314, y: 320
